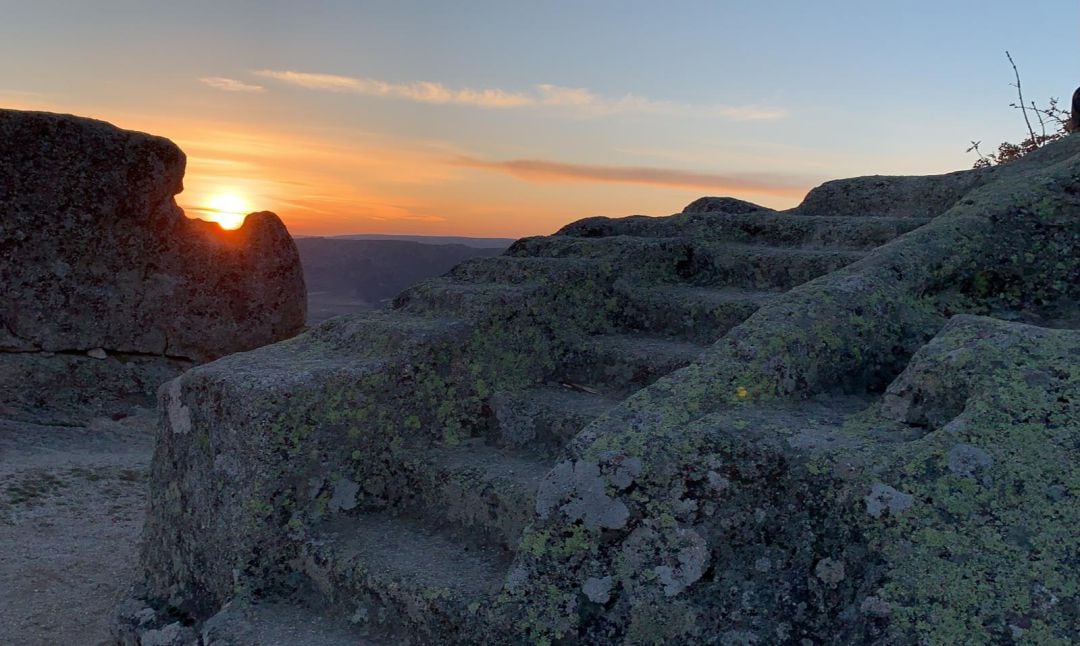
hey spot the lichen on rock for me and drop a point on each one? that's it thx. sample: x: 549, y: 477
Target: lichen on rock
x: 105, y: 286
x: 578, y: 491
x: 852, y: 422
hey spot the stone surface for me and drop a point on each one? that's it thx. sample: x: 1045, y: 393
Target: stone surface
x: 106, y: 292
x: 722, y: 204
x: 997, y: 507
x: 95, y: 254
x: 884, y: 195
x: 70, y: 389
x: 791, y: 476
x: 72, y: 504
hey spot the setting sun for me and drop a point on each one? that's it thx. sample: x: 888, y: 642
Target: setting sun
x: 228, y: 210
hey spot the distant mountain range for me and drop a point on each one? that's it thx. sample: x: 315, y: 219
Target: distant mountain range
x: 348, y: 274
x: 481, y: 243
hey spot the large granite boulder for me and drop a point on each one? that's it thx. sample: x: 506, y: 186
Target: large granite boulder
x: 723, y: 204
x: 95, y: 253
x: 106, y: 288
x: 883, y: 195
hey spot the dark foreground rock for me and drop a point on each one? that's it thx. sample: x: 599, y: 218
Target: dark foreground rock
x: 106, y: 288
x: 854, y: 422
x: 106, y: 292
x: 71, y: 389
x: 95, y: 253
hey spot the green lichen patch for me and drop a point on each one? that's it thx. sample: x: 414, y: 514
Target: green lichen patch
x: 801, y: 478
x: 988, y: 552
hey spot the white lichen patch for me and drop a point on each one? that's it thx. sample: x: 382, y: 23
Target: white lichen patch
x: 344, y: 496
x: 883, y: 498
x: 678, y: 557
x: 577, y: 489
x: 597, y: 590
x: 830, y: 571
x: 179, y: 414
x: 965, y: 460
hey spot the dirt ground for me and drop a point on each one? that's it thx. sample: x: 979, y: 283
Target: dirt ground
x: 72, y: 501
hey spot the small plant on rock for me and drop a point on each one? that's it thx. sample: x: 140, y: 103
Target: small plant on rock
x: 1053, y: 124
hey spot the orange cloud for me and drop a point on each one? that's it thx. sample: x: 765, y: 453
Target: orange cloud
x: 317, y: 185
x: 535, y: 170
x: 345, y: 180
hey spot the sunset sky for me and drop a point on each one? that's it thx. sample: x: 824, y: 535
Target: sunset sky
x: 512, y: 118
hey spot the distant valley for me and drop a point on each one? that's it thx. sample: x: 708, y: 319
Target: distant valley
x: 359, y: 272
x: 482, y: 243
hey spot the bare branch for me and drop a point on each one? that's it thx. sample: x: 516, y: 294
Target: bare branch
x: 1060, y: 121
x: 983, y: 159
x: 1042, y: 122
x: 1020, y: 93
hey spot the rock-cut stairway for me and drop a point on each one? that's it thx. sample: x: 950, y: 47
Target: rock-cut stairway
x: 632, y: 431
x: 401, y: 451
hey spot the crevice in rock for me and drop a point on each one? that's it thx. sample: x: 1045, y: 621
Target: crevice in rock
x: 126, y: 354
x: 11, y: 333
x: 43, y: 422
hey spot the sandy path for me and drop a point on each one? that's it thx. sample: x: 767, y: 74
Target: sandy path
x: 71, y: 509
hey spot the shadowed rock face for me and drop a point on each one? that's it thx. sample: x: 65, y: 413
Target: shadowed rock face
x: 95, y: 253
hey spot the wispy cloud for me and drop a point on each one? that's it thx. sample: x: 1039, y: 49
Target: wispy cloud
x: 575, y: 101
x: 534, y: 170
x: 418, y: 91
x: 593, y: 104
x: 230, y: 85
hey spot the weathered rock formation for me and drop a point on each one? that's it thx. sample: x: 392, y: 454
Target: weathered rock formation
x: 95, y: 253
x: 106, y: 288
x: 853, y: 422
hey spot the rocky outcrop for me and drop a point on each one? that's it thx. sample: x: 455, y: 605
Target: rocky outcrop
x: 741, y: 426
x: 61, y: 389
x: 95, y: 253
x: 883, y: 195
x: 106, y: 288
x: 721, y: 204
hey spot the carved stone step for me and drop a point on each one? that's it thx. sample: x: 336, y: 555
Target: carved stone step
x: 545, y: 418
x: 765, y: 268
x: 352, y: 345
x: 695, y: 314
x: 452, y: 296
x: 486, y: 489
x: 515, y: 270
x: 283, y: 623
x: 692, y: 261
x: 763, y: 227
x: 404, y: 577
x: 619, y: 364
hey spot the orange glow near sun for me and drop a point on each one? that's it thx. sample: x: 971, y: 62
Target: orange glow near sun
x: 228, y: 210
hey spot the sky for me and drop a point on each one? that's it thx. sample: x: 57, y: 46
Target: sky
x: 509, y: 119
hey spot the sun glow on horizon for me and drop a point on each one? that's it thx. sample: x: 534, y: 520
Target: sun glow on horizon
x: 227, y: 209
